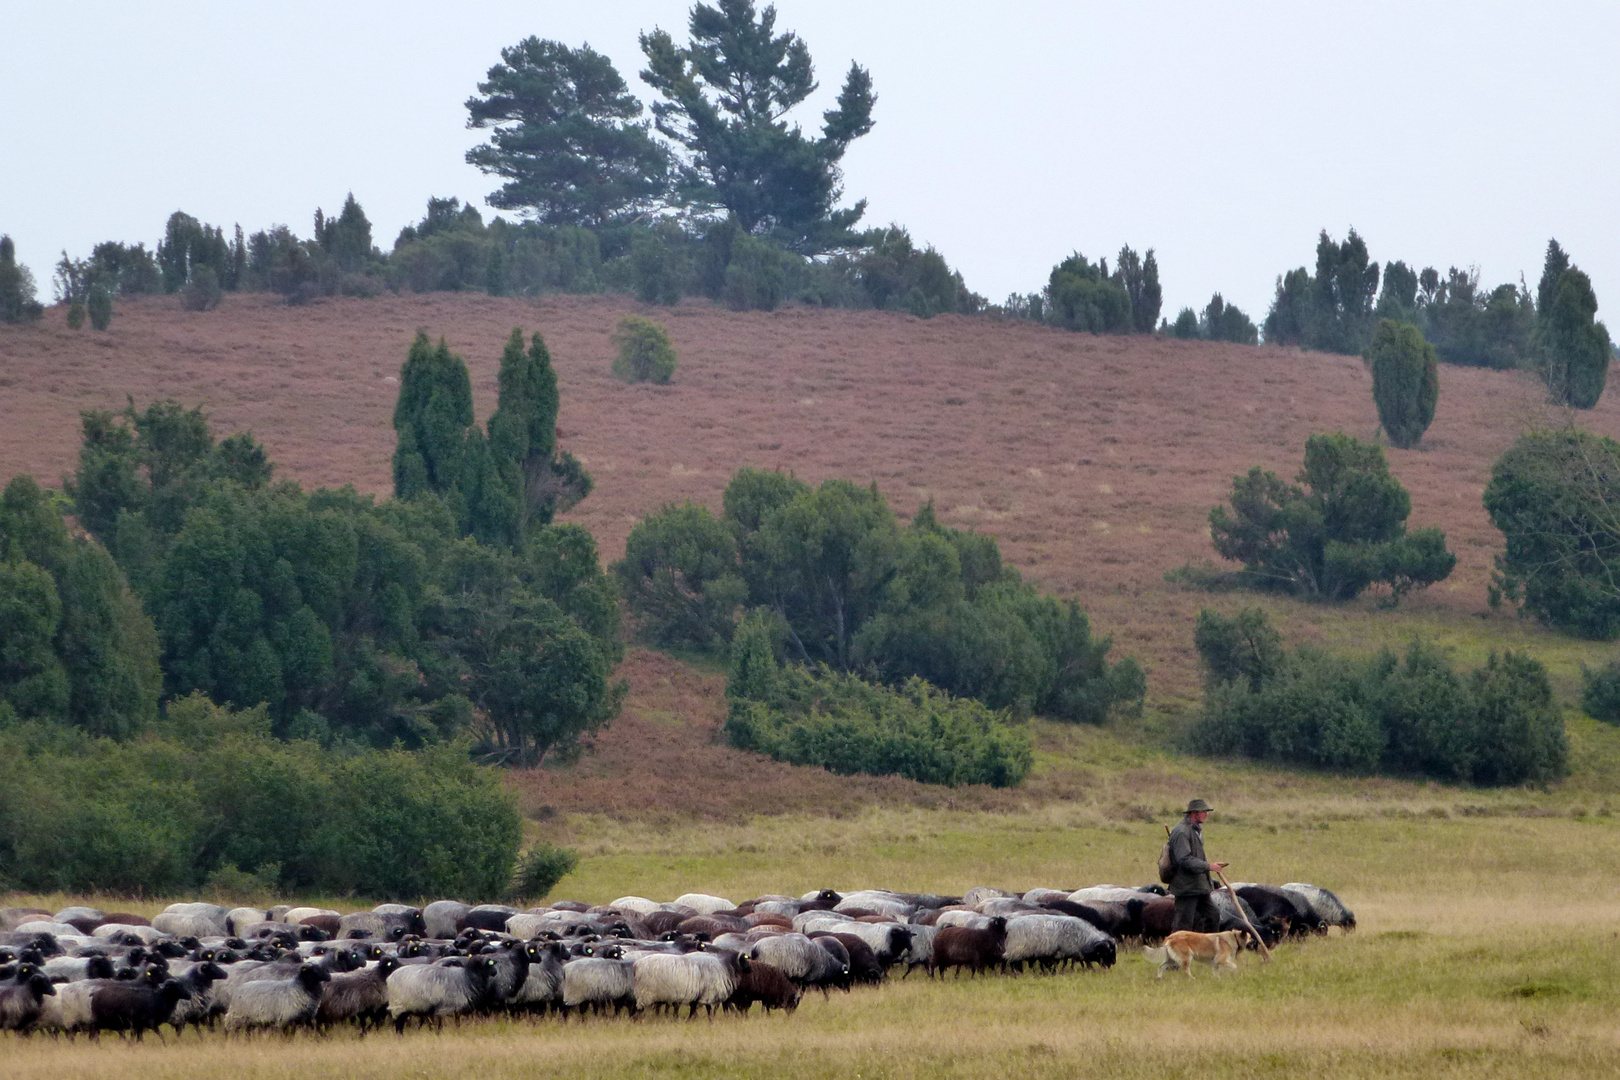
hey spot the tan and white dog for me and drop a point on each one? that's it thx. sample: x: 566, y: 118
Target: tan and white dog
x: 1181, y: 948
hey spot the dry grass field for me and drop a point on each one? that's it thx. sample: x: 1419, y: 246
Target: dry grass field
x: 1489, y: 940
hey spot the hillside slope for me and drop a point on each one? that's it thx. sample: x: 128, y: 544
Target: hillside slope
x: 1094, y: 460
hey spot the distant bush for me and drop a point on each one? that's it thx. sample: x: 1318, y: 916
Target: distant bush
x: 1082, y: 296
x: 75, y: 315
x: 1575, y: 346
x: 657, y: 269
x: 845, y: 725
x: 1600, y: 692
x: 1406, y: 381
x: 896, y: 276
x: 100, y: 306
x: 202, y: 291
x: 1402, y: 716
x: 681, y: 578
x: 538, y: 870
x: 1186, y: 325
x: 1339, y: 534
x: 18, y: 303
x: 756, y: 275
x: 1553, y: 494
x: 1226, y: 322
x: 644, y: 352
x: 208, y: 791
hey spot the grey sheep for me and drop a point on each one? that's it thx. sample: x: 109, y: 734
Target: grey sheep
x: 22, y: 1001
x: 1327, y: 907
x: 443, y: 918
x: 599, y: 983
x: 1051, y: 940
x: 434, y: 991
x: 277, y: 1003
x: 693, y: 979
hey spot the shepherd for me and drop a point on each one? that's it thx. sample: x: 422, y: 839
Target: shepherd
x: 1189, y: 872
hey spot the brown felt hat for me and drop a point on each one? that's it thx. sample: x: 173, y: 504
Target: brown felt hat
x: 1198, y: 804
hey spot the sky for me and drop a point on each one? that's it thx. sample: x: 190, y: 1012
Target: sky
x: 1223, y: 136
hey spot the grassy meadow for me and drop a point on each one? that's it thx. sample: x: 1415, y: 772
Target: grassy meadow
x: 1488, y: 945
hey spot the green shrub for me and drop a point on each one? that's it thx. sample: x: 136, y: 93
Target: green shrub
x: 538, y: 870
x: 681, y: 578
x: 1552, y: 494
x: 1186, y: 325
x: 1406, y: 381
x: 1397, y: 715
x: 657, y: 270
x: 75, y: 315
x: 100, y: 306
x: 847, y: 726
x: 1081, y: 296
x: 644, y: 352
x: 1340, y: 533
x: 209, y: 791
x: 1600, y: 692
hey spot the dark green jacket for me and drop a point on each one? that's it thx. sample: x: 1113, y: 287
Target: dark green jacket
x: 1191, y: 876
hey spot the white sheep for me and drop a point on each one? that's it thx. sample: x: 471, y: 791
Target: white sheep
x: 703, y: 903
x: 598, y: 982
x: 438, y: 990
x: 690, y: 979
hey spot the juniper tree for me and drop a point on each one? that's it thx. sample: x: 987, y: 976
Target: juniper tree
x: 1575, y: 346
x: 431, y: 418
x: 1406, y: 381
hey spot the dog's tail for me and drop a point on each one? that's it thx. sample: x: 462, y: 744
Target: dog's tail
x: 1156, y: 955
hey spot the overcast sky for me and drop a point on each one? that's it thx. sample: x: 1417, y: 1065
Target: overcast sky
x: 1225, y: 136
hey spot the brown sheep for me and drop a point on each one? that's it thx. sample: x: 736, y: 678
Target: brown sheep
x: 765, y: 984
x: 963, y: 947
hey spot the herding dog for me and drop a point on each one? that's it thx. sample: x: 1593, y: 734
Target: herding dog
x: 1181, y: 948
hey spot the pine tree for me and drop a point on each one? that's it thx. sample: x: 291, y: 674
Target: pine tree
x: 100, y: 306
x: 522, y: 443
x: 1406, y: 381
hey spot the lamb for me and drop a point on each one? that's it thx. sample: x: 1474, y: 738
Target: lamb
x: 1327, y: 907
x: 974, y: 897
x: 361, y: 996
x: 598, y: 982
x: 135, y: 1006
x: 1051, y: 940
x: 446, y: 988
x: 69, y: 1010
x: 278, y: 1003
x: 704, y: 904
x: 840, y: 955
x: 961, y: 947
x: 691, y: 979
x: 971, y: 919
x: 22, y: 1001
x: 766, y: 985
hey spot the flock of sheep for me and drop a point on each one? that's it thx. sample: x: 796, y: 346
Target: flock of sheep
x: 249, y: 969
